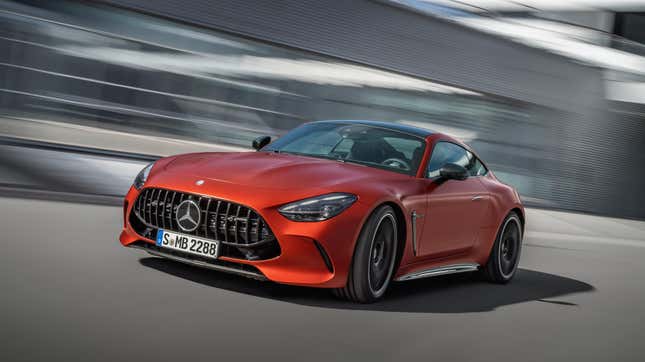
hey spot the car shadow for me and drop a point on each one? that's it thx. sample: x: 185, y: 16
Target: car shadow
x: 459, y: 293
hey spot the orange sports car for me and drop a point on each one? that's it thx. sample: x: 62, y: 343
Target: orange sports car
x: 345, y: 205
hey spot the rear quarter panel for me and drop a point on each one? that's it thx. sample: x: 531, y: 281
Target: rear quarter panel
x: 503, y: 200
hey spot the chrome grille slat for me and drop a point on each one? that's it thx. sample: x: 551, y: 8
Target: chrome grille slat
x: 173, y: 225
x: 163, y: 209
x: 236, y: 223
x: 228, y: 209
x: 216, y: 220
x: 157, y: 204
x: 201, y: 216
x: 248, y: 226
x: 153, y: 205
x: 167, y: 210
x: 205, y: 224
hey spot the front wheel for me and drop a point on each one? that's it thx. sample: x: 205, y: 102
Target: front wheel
x: 505, y: 255
x: 374, y: 259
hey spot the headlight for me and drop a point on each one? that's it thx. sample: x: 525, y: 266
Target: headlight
x: 317, y: 208
x: 142, y: 177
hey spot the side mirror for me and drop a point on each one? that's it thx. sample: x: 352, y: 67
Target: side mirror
x: 452, y: 171
x: 260, y: 142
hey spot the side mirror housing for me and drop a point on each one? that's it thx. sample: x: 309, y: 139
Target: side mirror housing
x: 452, y: 171
x: 260, y: 142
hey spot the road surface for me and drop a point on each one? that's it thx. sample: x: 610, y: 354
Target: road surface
x: 70, y: 292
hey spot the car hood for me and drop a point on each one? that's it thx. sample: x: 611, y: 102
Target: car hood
x: 274, y: 171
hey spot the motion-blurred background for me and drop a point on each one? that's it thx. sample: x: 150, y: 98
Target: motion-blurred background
x: 550, y: 93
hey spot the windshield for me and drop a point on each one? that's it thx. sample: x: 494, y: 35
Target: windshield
x: 359, y: 143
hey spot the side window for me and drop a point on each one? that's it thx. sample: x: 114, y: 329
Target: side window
x: 446, y: 152
x: 479, y: 169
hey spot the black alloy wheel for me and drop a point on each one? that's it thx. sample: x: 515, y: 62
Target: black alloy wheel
x: 383, y: 246
x: 374, y: 259
x: 505, y: 255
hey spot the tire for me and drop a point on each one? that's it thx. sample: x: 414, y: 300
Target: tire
x: 374, y: 258
x: 505, y: 255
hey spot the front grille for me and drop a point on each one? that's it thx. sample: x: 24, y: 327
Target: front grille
x: 239, y: 229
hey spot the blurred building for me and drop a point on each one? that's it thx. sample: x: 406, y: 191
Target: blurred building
x: 227, y: 71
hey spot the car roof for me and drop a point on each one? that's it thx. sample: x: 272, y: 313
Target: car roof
x: 416, y: 131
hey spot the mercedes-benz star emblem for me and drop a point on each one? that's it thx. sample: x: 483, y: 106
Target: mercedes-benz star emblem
x: 188, y: 215
x: 199, y: 182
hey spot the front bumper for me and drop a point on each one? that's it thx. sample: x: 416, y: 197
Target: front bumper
x: 316, y: 254
x: 219, y: 265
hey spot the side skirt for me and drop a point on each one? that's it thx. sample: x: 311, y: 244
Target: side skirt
x: 442, y: 270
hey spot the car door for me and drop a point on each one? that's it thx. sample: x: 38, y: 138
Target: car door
x: 455, y: 209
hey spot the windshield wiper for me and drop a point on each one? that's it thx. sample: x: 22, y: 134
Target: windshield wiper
x: 343, y: 160
x: 310, y: 155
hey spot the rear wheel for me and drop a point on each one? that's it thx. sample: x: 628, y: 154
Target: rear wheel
x: 374, y: 258
x: 505, y: 255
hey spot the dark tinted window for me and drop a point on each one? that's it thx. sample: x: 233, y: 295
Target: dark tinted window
x: 446, y: 152
x: 478, y: 168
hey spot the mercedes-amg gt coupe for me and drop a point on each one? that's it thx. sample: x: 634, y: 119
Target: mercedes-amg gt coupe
x: 345, y: 205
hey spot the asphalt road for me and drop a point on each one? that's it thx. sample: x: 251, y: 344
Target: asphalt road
x: 70, y: 292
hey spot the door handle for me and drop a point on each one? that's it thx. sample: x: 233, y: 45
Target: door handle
x: 477, y: 198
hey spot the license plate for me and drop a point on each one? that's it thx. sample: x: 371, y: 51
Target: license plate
x: 188, y: 244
